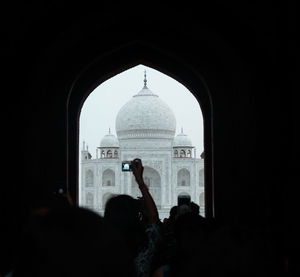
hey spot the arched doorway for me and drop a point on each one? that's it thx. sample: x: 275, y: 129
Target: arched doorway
x: 153, y: 182
x: 114, y: 63
x: 183, y: 177
x: 108, y: 178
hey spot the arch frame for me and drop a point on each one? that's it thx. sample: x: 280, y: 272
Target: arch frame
x: 183, y: 172
x: 148, y: 169
x: 116, y: 61
x: 108, y: 172
x: 89, y: 173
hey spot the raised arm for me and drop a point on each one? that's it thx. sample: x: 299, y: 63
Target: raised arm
x: 150, y: 207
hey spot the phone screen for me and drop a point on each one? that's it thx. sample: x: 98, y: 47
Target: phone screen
x: 126, y: 166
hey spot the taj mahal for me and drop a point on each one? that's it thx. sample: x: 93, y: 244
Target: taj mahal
x: 145, y: 129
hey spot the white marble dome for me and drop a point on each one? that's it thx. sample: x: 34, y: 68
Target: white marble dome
x: 145, y: 115
x: 109, y: 140
x: 182, y: 140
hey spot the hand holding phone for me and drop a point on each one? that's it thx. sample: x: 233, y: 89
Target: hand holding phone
x: 137, y: 170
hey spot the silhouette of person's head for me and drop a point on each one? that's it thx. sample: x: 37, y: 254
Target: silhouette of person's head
x: 124, y: 213
x: 72, y: 242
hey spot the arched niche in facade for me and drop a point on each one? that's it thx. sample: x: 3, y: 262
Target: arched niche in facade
x: 89, y: 178
x: 109, y: 154
x: 117, y: 61
x: 89, y: 199
x: 183, y: 177
x: 153, y: 181
x: 182, y: 153
x: 108, y: 177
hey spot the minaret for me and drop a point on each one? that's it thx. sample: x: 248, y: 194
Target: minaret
x: 85, y: 154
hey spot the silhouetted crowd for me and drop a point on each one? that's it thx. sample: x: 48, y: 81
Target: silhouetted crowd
x: 131, y: 240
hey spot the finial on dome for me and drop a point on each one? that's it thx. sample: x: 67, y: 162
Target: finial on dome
x: 145, y: 79
x: 109, y: 130
x: 181, y: 130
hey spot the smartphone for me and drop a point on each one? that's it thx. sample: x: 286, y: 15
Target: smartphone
x: 126, y: 166
x: 184, y: 200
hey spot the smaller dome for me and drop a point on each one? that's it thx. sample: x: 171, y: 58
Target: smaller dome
x: 109, y: 140
x: 182, y: 140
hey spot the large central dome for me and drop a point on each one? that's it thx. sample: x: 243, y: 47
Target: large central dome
x: 145, y: 116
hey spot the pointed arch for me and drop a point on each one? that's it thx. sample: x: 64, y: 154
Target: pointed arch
x: 123, y: 58
x: 183, y: 177
x: 182, y: 153
x: 89, y: 178
x: 152, y: 179
x: 89, y: 199
x: 109, y: 154
x: 108, y: 177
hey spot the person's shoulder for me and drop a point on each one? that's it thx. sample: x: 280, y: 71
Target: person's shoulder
x: 152, y: 226
x: 153, y: 229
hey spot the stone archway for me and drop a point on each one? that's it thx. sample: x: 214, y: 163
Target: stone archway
x: 89, y: 178
x: 108, y: 177
x: 153, y: 181
x: 118, y: 60
x: 183, y: 177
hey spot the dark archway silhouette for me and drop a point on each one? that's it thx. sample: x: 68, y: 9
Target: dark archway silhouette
x: 117, y: 61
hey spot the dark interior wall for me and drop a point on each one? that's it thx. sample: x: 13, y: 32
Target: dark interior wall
x: 233, y: 48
